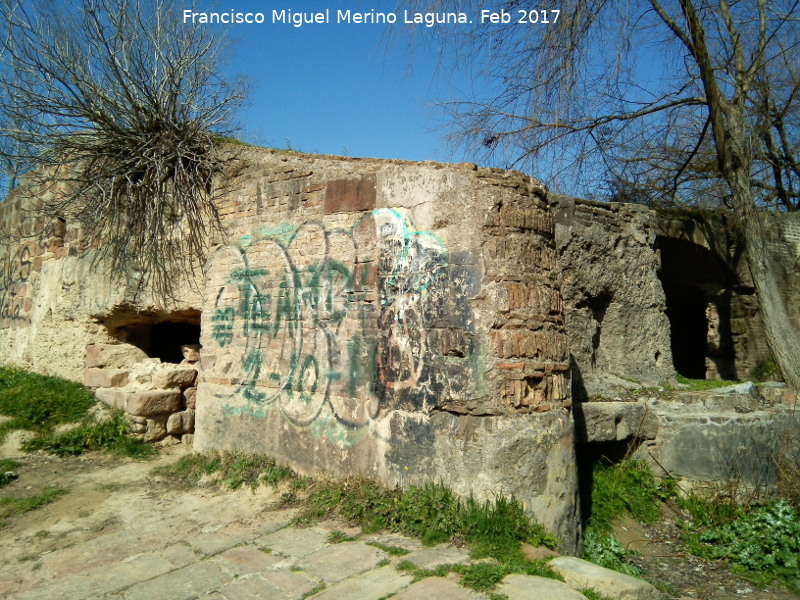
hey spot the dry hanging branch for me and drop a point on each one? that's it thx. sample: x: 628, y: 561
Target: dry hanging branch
x: 122, y: 103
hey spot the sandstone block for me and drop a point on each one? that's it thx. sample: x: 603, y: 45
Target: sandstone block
x: 181, y: 422
x: 174, y: 378
x: 156, y: 429
x: 146, y: 404
x: 105, y: 378
x: 580, y: 574
x: 190, y: 396
x: 113, y: 355
x: 111, y: 397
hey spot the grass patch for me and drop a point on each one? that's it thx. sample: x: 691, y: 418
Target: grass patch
x: 625, y: 488
x: 10, y: 506
x: 38, y: 402
x: 110, y: 435
x: 7, y: 474
x: 703, y: 385
x: 232, y: 469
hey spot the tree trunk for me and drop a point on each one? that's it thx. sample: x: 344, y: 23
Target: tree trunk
x: 781, y: 323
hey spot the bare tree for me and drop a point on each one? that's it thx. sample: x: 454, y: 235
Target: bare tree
x: 122, y: 102
x: 687, y: 96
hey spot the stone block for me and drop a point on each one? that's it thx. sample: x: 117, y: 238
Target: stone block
x: 181, y: 422
x: 113, y: 355
x: 111, y: 397
x: 580, y: 574
x: 190, y: 396
x: 160, y: 402
x: 165, y: 379
x: 188, y: 439
x: 105, y: 378
x: 156, y: 429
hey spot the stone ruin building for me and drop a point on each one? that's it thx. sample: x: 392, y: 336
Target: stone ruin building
x: 421, y: 321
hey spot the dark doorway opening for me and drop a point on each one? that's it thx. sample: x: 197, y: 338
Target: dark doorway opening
x: 159, y: 334
x: 696, y: 280
x: 686, y: 311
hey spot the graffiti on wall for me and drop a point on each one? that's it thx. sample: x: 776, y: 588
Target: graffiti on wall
x: 15, y: 270
x: 359, y: 320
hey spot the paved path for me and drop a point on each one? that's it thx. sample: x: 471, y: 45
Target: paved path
x: 121, y: 534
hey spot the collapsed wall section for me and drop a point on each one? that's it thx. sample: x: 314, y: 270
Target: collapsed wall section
x: 398, y: 320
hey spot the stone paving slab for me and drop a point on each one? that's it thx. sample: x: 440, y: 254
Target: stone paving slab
x: 210, y: 544
x: 373, y: 585
x: 341, y: 561
x: 437, y: 588
x: 526, y: 587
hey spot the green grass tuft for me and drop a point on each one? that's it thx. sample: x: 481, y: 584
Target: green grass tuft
x: 110, y: 436
x: 703, y: 385
x: 10, y: 505
x: 38, y: 402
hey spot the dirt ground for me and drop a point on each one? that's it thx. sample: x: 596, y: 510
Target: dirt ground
x: 105, y: 493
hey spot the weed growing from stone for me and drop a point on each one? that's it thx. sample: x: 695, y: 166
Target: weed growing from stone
x: 592, y: 594
x: 10, y: 505
x: 390, y: 550
x: 337, y: 537
x: 39, y: 403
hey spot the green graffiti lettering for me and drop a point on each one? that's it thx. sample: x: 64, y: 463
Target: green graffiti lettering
x: 222, y: 325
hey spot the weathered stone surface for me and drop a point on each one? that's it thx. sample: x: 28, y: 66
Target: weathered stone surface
x: 614, y: 421
x: 174, y: 378
x: 614, y: 302
x: 436, y: 588
x: 188, y: 439
x: 113, y: 355
x: 112, y: 397
x: 181, y: 422
x: 374, y: 585
x: 580, y: 574
x: 156, y: 428
x: 105, y: 378
x: 340, y: 561
x: 537, y: 552
x: 146, y: 404
x: 190, y: 397
x: 527, y: 587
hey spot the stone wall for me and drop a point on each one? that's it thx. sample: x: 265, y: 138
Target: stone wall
x: 56, y: 296
x: 394, y: 319
x: 614, y: 304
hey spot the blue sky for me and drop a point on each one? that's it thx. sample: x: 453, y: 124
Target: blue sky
x: 339, y: 88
